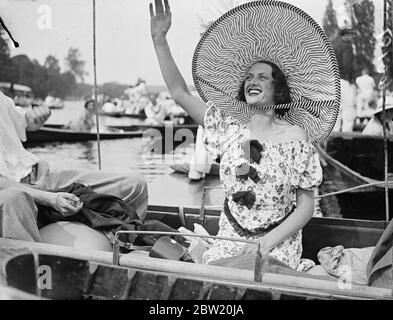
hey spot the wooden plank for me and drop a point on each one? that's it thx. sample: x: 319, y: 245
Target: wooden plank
x: 213, y: 273
x: 8, y: 293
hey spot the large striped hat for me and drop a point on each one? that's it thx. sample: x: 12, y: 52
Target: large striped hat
x: 280, y: 33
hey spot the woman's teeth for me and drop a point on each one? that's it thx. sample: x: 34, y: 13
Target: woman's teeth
x: 254, y: 92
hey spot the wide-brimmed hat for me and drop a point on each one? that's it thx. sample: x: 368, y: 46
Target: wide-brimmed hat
x: 388, y: 104
x: 281, y: 33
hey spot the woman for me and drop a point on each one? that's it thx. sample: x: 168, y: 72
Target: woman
x: 263, y: 160
x: 85, y: 122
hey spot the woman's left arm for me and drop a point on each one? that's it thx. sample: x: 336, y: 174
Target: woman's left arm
x: 295, y: 222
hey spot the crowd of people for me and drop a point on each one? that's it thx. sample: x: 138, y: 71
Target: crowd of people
x: 361, y: 101
x: 136, y: 100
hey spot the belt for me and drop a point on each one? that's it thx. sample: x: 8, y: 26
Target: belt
x: 255, y: 233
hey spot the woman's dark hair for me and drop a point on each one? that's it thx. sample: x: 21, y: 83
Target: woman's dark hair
x: 282, y: 93
x: 88, y: 102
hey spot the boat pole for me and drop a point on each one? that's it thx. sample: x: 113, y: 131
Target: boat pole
x: 95, y: 85
x: 387, y: 7
x: 387, y: 41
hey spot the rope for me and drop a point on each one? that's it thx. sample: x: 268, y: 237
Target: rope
x: 95, y: 85
x: 363, y: 186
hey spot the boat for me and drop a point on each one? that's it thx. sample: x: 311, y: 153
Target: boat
x: 60, y: 134
x: 80, y: 274
x: 89, y: 274
x: 115, y: 114
x: 161, y: 134
x: 54, y: 103
x: 349, y: 162
x: 174, y: 131
x: 135, y: 115
x: 14, y: 89
x: 361, y: 153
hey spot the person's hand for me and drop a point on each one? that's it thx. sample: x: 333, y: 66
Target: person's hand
x: 252, y: 248
x: 160, y: 21
x: 36, y: 117
x: 65, y: 203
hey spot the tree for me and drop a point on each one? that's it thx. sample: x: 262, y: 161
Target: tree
x: 364, y: 25
x: 8, y: 72
x: 387, y: 48
x: 75, y: 64
x: 51, y: 64
x: 329, y: 23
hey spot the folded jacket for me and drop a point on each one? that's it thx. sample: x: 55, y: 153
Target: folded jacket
x: 106, y: 213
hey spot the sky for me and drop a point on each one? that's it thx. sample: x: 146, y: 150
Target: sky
x: 124, y: 48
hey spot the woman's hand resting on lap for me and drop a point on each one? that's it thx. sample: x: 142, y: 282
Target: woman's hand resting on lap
x: 252, y: 248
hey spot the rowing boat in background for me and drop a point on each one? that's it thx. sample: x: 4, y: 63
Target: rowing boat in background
x: 46, y: 134
x: 350, y: 161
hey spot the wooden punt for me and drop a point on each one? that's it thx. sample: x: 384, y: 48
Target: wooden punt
x: 360, y: 203
x: 161, y: 134
x: 138, y: 276
x: 45, y: 135
x: 81, y: 274
x: 98, y: 278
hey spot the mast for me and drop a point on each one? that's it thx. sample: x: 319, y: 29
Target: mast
x: 95, y: 85
x: 387, y: 41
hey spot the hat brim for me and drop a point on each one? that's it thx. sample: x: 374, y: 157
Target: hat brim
x: 280, y: 33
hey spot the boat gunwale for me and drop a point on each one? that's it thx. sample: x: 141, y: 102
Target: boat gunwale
x: 272, y: 281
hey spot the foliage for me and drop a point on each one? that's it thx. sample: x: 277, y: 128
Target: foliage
x: 42, y: 79
x: 365, y: 41
x: 329, y: 23
x: 75, y: 64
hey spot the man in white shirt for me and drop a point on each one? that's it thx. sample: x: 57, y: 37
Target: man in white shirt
x: 25, y: 180
x: 365, y: 84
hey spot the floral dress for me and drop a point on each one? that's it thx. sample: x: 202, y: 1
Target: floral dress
x: 261, y: 195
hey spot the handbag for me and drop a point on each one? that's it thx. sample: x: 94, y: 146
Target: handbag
x: 167, y: 248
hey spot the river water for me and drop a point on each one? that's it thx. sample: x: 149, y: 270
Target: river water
x: 128, y: 156
x: 125, y: 155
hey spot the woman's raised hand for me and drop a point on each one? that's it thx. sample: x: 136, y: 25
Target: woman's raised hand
x: 160, y: 21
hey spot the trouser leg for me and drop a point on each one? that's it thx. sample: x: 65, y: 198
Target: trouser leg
x: 132, y: 189
x: 18, y: 216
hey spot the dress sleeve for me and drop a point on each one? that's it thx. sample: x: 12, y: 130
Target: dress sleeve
x: 17, y: 116
x: 218, y: 130
x: 307, y: 171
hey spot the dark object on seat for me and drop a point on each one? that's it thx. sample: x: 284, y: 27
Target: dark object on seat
x: 107, y: 213
x: 167, y: 248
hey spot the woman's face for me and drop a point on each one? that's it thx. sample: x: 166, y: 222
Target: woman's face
x: 90, y: 106
x: 258, y: 86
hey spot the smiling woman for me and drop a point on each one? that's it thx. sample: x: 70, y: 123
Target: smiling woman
x: 268, y: 74
x: 260, y: 125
